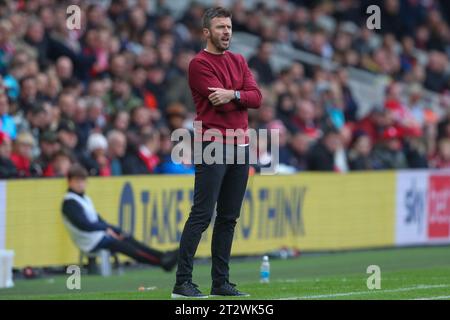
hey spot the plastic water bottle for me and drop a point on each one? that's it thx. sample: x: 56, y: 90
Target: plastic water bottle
x: 265, y: 270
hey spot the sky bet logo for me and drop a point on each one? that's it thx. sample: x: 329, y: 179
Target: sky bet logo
x: 267, y: 213
x: 415, y: 206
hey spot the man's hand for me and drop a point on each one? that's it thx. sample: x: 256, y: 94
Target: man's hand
x: 220, y: 96
x: 114, y: 234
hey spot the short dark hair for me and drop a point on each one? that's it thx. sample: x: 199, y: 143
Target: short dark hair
x: 77, y: 171
x: 216, y: 12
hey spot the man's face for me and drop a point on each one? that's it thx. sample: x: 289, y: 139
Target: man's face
x: 39, y: 120
x: 332, y: 142
x: 25, y: 150
x: 363, y: 145
x: 48, y: 149
x: 118, y: 146
x: 121, y: 88
x: 68, y: 105
x: 62, y: 166
x: 220, y: 33
x: 265, y: 52
x: 68, y: 139
x: 29, y: 89
x: 78, y: 184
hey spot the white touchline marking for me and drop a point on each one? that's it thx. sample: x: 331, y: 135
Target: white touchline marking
x: 353, y: 293
x: 434, y: 298
x: 346, y: 279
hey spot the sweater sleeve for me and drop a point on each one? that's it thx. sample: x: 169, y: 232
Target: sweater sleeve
x: 251, y: 96
x: 115, y: 228
x: 73, y: 212
x: 201, y: 77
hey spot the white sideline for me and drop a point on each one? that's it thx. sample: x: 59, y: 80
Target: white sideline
x: 353, y: 293
x: 434, y: 298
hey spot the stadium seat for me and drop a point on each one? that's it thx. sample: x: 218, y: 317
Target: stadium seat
x: 104, y: 256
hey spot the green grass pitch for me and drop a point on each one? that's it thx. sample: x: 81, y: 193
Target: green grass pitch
x: 407, y: 273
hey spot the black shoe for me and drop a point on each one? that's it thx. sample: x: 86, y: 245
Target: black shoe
x: 187, y: 290
x: 228, y: 289
x: 169, y: 260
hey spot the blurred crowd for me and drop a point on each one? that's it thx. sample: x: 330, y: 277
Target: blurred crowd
x: 109, y: 95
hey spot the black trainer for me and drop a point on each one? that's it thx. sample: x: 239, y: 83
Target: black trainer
x: 187, y: 290
x: 169, y: 260
x: 228, y: 289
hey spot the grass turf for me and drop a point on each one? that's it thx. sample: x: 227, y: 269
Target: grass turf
x: 407, y: 273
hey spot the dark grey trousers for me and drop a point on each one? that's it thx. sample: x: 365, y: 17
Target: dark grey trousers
x: 224, y: 185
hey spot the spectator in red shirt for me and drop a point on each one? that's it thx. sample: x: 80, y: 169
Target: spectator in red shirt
x: 375, y: 123
x: 145, y: 159
x: 59, y: 165
x: 22, y: 155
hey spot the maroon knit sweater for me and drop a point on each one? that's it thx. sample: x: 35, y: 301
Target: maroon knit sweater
x: 228, y: 71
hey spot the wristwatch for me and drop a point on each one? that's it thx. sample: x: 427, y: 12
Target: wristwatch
x: 237, y: 95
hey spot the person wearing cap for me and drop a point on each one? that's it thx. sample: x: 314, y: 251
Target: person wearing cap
x: 49, y: 146
x: 96, y: 160
x: 67, y: 136
x: 388, y: 153
x: 90, y: 232
x: 7, y: 168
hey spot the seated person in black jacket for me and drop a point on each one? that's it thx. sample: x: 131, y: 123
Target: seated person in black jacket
x: 321, y: 155
x: 90, y: 232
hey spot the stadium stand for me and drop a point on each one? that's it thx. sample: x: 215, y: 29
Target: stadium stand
x: 109, y: 95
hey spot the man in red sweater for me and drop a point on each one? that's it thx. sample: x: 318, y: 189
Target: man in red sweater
x: 223, y: 88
